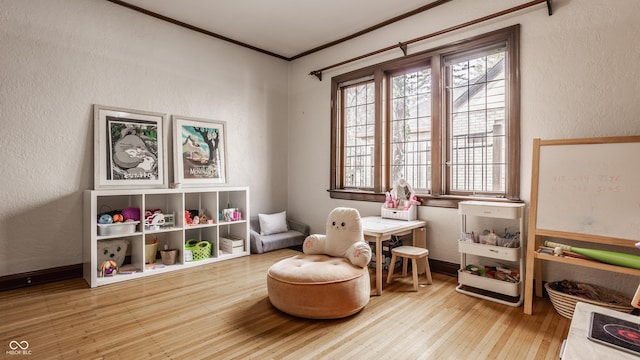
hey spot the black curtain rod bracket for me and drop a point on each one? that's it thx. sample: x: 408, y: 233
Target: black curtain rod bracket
x: 403, y: 47
x: 317, y: 73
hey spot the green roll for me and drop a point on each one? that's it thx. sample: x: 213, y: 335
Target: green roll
x: 609, y: 257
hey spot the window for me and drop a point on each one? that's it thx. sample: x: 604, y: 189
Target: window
x: 476, y: 101
x: 359, y: 125
x: 410, y: 127
x: 446, y: 120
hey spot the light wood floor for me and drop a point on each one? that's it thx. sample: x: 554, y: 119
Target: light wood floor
x: 222, y: 311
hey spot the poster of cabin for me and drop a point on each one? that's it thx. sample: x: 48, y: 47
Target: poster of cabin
x: 199, y: 151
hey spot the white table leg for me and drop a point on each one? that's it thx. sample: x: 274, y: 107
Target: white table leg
x: 378, y: 265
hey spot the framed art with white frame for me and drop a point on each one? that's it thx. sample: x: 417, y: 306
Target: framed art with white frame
x: 199, y: 151
x: 129, y: 148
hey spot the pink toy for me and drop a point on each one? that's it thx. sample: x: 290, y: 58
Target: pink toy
x: 131, y: 213
x: 388, y: 203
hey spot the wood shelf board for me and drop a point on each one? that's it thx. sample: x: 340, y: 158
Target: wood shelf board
x: 588, y: 263
x: 586, y: 237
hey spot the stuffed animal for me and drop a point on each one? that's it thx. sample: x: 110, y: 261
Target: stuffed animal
x: 187, y: 217
x: 114, y: 250
x: 344, y: 238
x: 108, y: 268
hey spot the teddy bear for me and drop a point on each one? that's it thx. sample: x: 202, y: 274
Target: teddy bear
x: 114, y: 250
x: 344, y: 238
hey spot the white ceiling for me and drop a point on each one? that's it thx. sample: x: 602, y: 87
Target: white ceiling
x: 283, y: 27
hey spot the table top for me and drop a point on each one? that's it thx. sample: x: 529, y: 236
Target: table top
x: 578, y: 346
x: 376, y: 225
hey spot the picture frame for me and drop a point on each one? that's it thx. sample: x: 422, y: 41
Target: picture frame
x: 199, y: 151
x: 129, y: 148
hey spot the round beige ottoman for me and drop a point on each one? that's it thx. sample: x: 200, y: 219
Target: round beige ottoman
x: 318, y: 286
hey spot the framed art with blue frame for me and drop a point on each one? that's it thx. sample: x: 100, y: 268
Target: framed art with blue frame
x: 129, y: 148
x: 199, y: 151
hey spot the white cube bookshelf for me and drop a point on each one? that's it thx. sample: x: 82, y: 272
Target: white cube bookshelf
x: 176, y: 201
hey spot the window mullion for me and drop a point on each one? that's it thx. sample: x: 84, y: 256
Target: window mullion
x: 438, y: 159
x: 379, y: 153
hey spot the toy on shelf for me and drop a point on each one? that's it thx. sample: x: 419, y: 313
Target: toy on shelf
x: 194, y: 217
x: 129, y: 214
x: 108, y: 268
x: 153, y: 220
x: 231, y: 214
x: 401, y: 196
x: 105, y: 219
x: 204, y: 219
x: 156, y: 220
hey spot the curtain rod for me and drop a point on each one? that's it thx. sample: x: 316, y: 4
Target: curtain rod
x: 403, y: 45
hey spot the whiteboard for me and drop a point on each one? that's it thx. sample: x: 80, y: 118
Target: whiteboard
x: 590, y: 188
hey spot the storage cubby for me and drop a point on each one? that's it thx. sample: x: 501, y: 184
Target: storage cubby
x: 172, y: 203
x: 230, y: 233
x: 490, y: 250
x: 172, y: 240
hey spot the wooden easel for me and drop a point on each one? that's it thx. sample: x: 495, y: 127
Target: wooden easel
x: 585, y: 190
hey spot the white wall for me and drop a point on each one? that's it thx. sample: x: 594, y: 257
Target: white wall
x: 58, y: 57
x: 580, y: 77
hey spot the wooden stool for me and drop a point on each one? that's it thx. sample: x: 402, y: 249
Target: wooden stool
x: 413, y: 253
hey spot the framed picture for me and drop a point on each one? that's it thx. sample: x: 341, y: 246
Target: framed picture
x: 199, y: 151
x: 129, y: 148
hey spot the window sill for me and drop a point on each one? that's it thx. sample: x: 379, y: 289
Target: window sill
x: 444, y: 201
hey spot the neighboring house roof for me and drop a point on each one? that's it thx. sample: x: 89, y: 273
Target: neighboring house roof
x: 492, y: 74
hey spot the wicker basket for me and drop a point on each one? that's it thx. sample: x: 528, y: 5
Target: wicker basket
x: 565, y: 304
x: 150, y: 251
x: 169, y: 256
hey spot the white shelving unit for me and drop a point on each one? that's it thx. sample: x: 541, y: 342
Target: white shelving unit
x: 210, y: 200
x: 504, y: 292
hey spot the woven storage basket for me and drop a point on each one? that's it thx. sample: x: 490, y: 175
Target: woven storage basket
x: 565, y: 304
x: 169, y: 256
x: 200, y: 250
